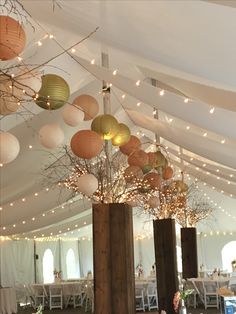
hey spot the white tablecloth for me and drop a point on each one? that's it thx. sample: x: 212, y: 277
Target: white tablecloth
x: 8, y: 301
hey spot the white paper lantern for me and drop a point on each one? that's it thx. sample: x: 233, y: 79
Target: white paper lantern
x: 9, y: 147
x: 87, y: 184
x: 72, y: 115
x: 51, y: 135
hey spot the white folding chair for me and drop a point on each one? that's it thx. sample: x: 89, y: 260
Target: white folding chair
x: 139, y: 299
x: 55, y: 297
x: 89, y: 298
x: 152, y: 296
x: 211, y: 298
x: 39, y: 295
x: 193, y: 296
x: 78, y: 295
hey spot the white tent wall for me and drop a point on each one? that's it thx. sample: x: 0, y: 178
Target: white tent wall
x: 41, y: 247
x: 65, y: 247
x: 17, y: 262
x: 210, y: 250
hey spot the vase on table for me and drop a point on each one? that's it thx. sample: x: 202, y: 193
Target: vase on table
x: 182, y: 307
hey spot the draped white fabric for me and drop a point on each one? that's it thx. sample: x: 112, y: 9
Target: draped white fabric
x: 17, y: 263
x: 86, y: 257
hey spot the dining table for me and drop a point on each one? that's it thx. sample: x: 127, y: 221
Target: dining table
x: 8, y: 304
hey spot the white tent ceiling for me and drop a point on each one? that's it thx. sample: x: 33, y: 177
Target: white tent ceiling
x: 192, y: 55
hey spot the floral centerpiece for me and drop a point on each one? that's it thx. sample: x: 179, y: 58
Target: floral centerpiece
x: 179, y: 299
x: 233, y: 263
x: 139, y: 268
x: 57, y: 274
x: 39, y: 310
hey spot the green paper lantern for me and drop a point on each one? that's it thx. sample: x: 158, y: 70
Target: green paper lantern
x: 54, y: 92
x: 122, y: 137
x: 105, y: 125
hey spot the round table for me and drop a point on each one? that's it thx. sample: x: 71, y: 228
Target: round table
x: 8, y: 303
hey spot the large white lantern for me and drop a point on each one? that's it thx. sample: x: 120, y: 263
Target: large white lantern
x: 9, y: 147
x: 87, y: 184
x: 73, y: 115
x: 51, y: 135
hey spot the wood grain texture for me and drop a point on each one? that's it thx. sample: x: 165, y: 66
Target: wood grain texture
x: 189, y: 252
x: 113, y: 259
x: 166, y: 263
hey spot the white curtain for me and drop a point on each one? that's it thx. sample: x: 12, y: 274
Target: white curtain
x: 17, y: 262
x: 148, y: 255
x: 65, y: 247
x: 41, y: 247
x: 86, y: 257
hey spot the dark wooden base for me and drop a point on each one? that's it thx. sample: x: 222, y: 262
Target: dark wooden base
x: 114, y: 291
x: 189, y: 252
x: 166, y: 263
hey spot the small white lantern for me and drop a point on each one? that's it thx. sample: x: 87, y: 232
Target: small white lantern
x: 87, y: 184
x: 73, y: 115
x: 9, y: 147
x: 51, y: 135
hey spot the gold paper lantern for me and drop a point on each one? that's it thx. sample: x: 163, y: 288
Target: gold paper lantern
x: 132, y: 173
x: 132, y: 145
x: 153, y: 180
x: 86, y: 144
x: 105, y: 125
x: 138, y: 158
x: 88, y: 104
x: 180, y: 186
x: 12, y: 38
x: 54, y: 92
x: 123, y: 135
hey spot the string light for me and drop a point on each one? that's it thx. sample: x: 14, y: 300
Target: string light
x: 73, y: 50
x: 212, y: 110
x: 40, y: 43
x: 162, y: 92
x: 222, y: 141
x: 93, y: 61
x: 205, y: 134
x: 114, y: 72
x: 137, y: 83
x: 186, y: 100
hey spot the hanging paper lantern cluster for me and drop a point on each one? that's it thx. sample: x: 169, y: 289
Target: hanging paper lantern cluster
x: 12, y: 38
x: 9, y: 147
x: 54, y: 92
x: 51, y: 135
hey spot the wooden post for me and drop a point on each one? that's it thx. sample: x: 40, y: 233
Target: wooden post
x: 114, y: 290
x: 166, y: 263
x: 189, y: 252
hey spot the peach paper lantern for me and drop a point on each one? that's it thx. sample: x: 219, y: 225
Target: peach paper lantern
x: 153, y: 180
x: 86, y: 144
x: 132, y: 145
x: 12, y: 38
x: 167, y: 173
x: 153, y: 202
x: 132, y: 173
x: 72, y: 115
x: 88, y: 104
x: 138, y: 158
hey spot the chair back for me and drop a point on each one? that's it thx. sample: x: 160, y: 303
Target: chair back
x: 55, y: 290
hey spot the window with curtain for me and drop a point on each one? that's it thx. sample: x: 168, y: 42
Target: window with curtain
x: 228, y: 254
x: 71, y: 264
x: 48, y: 267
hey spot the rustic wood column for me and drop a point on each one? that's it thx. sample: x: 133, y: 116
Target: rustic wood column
x: 166, y: 263
x: 113, y: 254
x: 189, y: 252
